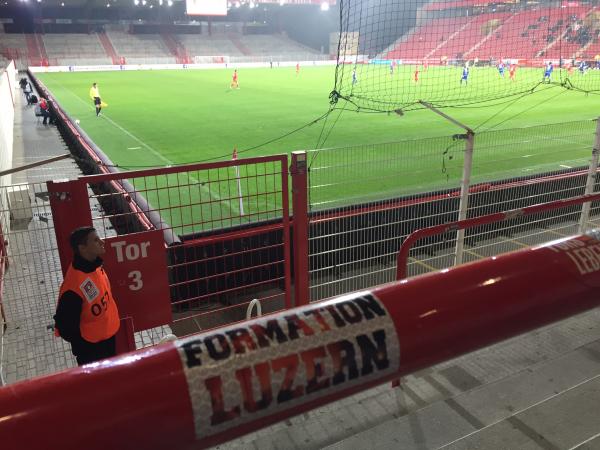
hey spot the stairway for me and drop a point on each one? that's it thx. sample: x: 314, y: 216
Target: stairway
x: 109, y: 49
x: 238, y: 44
x: 488, y: 36
x: 33, y: 52
x: 41, y: 48
x: 447, y: 40
x: 176, y: 48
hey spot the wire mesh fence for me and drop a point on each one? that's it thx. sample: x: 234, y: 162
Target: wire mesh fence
x: 31, y: 284
x: 226, y: 225
x: 354, y: 237
x: 365, y: 199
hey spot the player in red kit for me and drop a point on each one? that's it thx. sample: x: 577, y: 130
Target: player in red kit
x: 297, y: 69
x: 234, y: 80
x: 511, y: 72
x: 417, y: 74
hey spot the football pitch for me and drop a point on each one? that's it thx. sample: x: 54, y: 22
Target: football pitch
x: 166, y: 117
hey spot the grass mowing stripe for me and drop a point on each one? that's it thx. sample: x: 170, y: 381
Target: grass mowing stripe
x: 191, y: 115
x: 234, y: 210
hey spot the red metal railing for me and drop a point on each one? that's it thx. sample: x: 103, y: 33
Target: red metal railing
x: 402, y: 260
x: 229, y: 223
x: 212, y: 387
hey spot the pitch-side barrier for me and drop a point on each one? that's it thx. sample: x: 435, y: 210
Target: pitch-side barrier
x: 403, y: 254
x: 212, y: 387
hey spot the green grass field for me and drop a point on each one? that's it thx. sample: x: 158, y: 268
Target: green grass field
x: 158, y: 118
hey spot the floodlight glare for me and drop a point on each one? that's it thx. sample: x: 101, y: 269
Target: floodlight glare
x: 324, y: 6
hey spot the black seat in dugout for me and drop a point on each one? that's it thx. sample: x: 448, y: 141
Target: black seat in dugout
x: 38, y: 113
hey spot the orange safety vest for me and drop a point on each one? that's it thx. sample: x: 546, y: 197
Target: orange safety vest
x: 99, y: 314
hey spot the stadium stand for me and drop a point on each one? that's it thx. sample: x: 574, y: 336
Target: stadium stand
x: 523, y: 34
x: 569, y: 37
x: 107, y: 48
x: 73, y: 49
x: 202, y: 45
x: 274, y: 45
x: 520, y: 37
x: 14, y: 46
x: 476, y: 30
x: 426, y: 39
x: 140, y: 48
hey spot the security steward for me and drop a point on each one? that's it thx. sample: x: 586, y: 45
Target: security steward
x: 86, y: 314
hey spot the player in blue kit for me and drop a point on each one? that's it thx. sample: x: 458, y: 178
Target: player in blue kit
x: 583, y: 67
x: 501, y: 69
x: 465, y: 75
x: 548, y: 72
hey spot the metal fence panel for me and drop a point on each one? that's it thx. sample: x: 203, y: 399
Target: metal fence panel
x: 514, y: 169
x: 31, y: 285
x: 365, y: 200
x: 227, y: 227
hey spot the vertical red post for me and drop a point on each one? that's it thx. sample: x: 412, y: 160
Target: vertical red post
x: 70, y: 207
x: 299, y: 172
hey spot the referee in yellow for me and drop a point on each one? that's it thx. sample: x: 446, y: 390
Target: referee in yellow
x: 95, y: 96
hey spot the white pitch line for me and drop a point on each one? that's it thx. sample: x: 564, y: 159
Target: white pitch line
x: 232, y: 208
x: 133, y: 148
x: 526, y: 156
x: 565, y: 166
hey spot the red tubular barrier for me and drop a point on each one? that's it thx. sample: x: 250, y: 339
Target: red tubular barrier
x: 212, y: 387
x: 402, y: 258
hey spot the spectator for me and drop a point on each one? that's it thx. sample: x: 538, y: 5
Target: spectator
x: 86, y: 314
x: 28, y: 90
x: 46, y: 113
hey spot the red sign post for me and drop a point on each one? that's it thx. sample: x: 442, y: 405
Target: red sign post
x: 137, y: 269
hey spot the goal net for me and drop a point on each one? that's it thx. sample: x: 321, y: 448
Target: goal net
x: 392, y: 54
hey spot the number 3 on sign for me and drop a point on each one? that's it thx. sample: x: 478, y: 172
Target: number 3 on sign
x: 136, y: 278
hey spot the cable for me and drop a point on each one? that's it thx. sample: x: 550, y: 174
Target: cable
x: 509, y: 104
x: 526, y: 109
x: 320, y: 144
x: 228, y: 155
